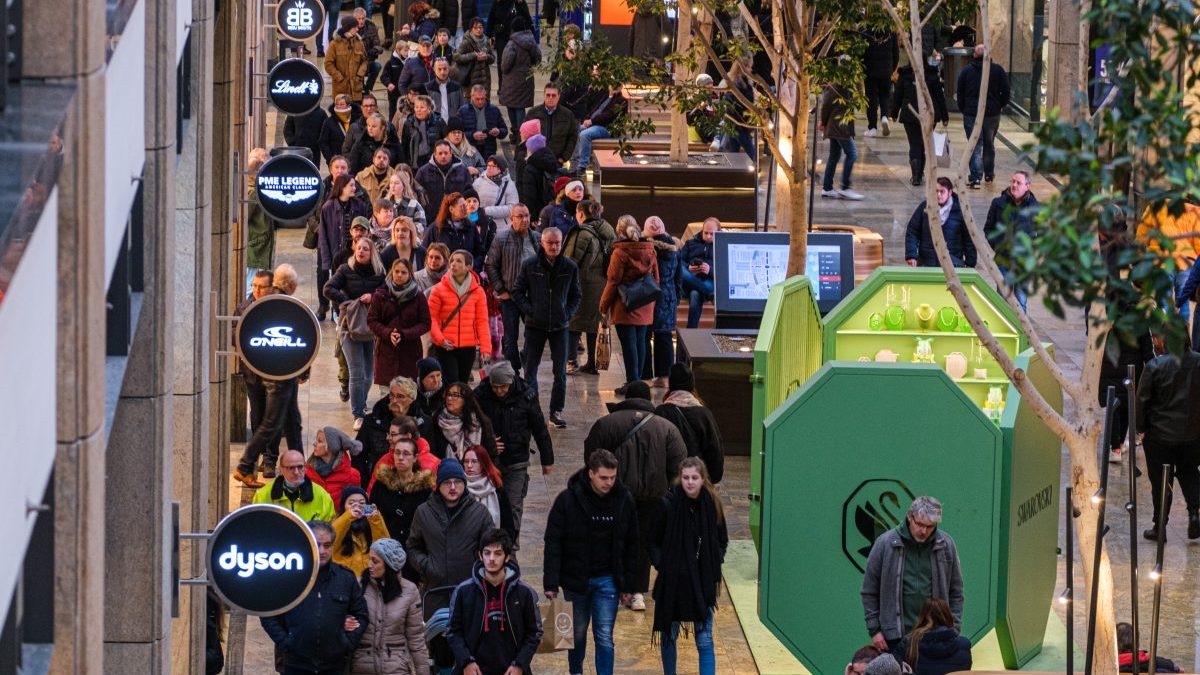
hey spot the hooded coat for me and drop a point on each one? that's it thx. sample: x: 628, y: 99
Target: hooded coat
x: 698, y: 427
x: 666, y: 248
x: 520, y: 56
x: 398, y: 499
x: 520, y: 621
x: 346, y: 63
x: 536, y: 176
x: 649, y: 459
x: 344, y: 473
x: 393, y: 640
x: 590, y: 245
x: 631, y: 260
x: 941, y: 651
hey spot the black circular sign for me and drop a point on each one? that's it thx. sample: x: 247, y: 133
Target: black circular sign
x: 295, y: 86
x: 262, y: 559
x: 288, y: 187
x: 300, y: 19
x: 278, y: 337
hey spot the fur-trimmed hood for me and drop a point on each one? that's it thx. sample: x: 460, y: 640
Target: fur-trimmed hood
x: 661, y: 244
x: 420, y: 480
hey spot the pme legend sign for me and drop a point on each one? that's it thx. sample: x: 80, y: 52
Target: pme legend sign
x: 288, y: 187
x: 262, y: 559
x: 300, y: 20
x: 278, y: 337
x: 295, y: 86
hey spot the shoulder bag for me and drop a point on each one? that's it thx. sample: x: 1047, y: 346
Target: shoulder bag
x: 354, y: 320
x: 639, y: 292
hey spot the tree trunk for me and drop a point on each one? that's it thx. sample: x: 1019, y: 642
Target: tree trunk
x: 683, y: 45
x: 791, y: 204
x: 1085, y: 480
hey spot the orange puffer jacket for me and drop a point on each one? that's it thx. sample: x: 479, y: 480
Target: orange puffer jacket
x: 469, y: 327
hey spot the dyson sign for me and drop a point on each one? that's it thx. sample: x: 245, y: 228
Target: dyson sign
x: 262, y: 558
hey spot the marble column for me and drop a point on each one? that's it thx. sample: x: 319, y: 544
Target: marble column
x: 1063, y: 76
x: 193, y: 352
x: 65, y: 41
x: 139, y: 582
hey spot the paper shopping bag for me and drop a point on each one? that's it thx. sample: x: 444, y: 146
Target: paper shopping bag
x: 941, y: 148
x: 558, y: 626
x: 603, y: 347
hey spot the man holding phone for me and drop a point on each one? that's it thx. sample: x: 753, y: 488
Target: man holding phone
x: 696, y: 257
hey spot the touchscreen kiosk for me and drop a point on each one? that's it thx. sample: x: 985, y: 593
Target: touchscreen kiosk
x: 747, y: 264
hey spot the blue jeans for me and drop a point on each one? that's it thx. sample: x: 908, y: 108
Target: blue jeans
x: 660, y: 354
x: 515, y: 117
x: 1179, y: 279
x: 633, y: 349
x: 838, y: 146
x: 1019, y: 293
x: 599, y: 606
x: 332, y: 8
x: 535, y: 344
x: 698, y: 291
x: 704, y: 645
x: 511, y: 316
x: 983, y: 157
x: 745, y: 139
x: 373, y: 68
x: 360, y: 361
x: 586, y: 136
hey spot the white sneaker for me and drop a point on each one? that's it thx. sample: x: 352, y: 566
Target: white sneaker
x: 831, y: 194
x: 1116, y: 455
x: 639, y: 603
x: 358, y: 423
x: 885, y: 126
x: 871, y: 133
x: 850, y: 194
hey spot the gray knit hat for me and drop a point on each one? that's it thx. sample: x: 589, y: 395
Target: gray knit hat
x: 884, y: 664
x: 391, y: 552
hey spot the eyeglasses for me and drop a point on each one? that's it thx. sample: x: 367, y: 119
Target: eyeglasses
x: 398, y: 397
x: 453, y: 394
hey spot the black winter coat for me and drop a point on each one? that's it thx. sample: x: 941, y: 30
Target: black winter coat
x: 560, y: 129
x: 516, y: 419
x: 443, y: 546
x: 942, y: 651
x: 918, y: 242
x: 438, y: 181
x: 547, y: 294
x: 701, y: 436
x: 312, y: 636
x: 696, y: 249
x: 351, y: 282
x: 569, y: 540
x: 463, y: 236
x: 970, y: 80
x: 904, y: 97
x: 398, y: 501
x: 410, y: 141
x: 390, y: 74
x: 333, y: 136
x: 440, y: 446
x: 305, y: 131
x: 364, y: 150
x: 1005, y: 218
x: 536, y: 181
x: 882, y: 54
x: 469, y: 619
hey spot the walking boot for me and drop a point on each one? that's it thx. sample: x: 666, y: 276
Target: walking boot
x: 1152, y: 534
x: 1194, y: 524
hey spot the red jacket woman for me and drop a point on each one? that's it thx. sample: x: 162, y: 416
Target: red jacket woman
x: 398, y: 317
x: 459, y: 319
x: 329, y: 464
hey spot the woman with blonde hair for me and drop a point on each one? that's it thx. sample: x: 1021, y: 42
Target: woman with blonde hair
x: 632, y: 259
x: 404, y: 244
x: 355, y: 281
x: 405, y: 193
x: 660, y: 345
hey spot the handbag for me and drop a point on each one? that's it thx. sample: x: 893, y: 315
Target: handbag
x: 639, y: 292
x: 310, y: 232
x: 354, y: 321
x: 558, y: 626
x: 603, y: 348
x: 941, y: 149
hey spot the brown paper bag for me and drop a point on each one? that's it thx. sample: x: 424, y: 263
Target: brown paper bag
x: 603, y: 347
x: 558, y: 626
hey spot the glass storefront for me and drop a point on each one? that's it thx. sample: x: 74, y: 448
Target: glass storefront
x: 1027, y: 58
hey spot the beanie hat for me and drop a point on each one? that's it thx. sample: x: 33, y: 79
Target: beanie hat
x: 561, y: 183
x: 469, y: 193
x: 347, y: 23
x: 427, y: 366
x: 352, y: 490
x: 530, y: 128
x: 572, y: 184
x: 681, y: 378
x: 391, y: 552
x: 338, y: 441
x: 450, y: 469
x: 884, y: 664
x: 499, y: 161
x: 637, y: 389
x: 502, y: 373
x: 535, y: 142
x: 519, y: 24
x: 454, y: 124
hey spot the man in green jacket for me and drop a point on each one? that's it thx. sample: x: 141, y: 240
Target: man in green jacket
x: 260, y: 229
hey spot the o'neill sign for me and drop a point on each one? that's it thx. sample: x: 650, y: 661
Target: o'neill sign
x: 262, y: 559
x: 299, y: 20
x: 278, y: 337
x: 295, y: 86
x: 288, y: 187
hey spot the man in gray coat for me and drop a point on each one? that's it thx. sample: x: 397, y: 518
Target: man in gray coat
x: 509, y: 250
x: 908, y: 565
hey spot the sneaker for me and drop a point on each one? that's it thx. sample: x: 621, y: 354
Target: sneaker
x: 1116, y: 456
x: 638, y: 604
x: 974, y: 185
x: 853, y: 196
x: 557, y: 421
x: 345, y: 393
x: 358, y: 423
x: 871, y: 133
x: 831, y: 194
x: 885, y: 126
x: 248, y: 480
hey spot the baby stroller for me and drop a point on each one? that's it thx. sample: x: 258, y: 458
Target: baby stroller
x: 437, y: 623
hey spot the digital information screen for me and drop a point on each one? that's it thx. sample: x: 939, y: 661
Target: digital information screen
x: 747, y: 264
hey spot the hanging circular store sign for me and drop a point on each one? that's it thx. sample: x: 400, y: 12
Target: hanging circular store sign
x: 288, y: 187
x: 278, y: 337
x: 300, y: 19
x: 262, y: 559
x: 295, y: 86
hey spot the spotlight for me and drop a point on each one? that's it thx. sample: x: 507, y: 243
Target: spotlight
x: 1156, y: 574
x: 1098, y: 497
x: 1064, y: 598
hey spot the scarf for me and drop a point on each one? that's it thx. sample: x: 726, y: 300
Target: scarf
x: 422, y: 137
x: 944, y: 211
x: 464, y: 149
x: 435, y: 276
x: 691, y: 561
x: 485, y: 493
x: 343, y: 117
x: 459, y: 437
x: 322, y: 467
x: 463, y: 288
x: 404, y: 293
x: 682, y: 399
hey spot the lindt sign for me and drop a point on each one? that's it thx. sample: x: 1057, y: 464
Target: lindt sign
x: 295, y: 86
x: 300, y: 19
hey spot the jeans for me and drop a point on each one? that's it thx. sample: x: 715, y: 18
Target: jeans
x: 360, y: 361
x: 698, y: 290
x: 332, y: 8
x: 1183, y: 457
x: 373, y: 68
x: 1019, y: 293
x: 704, y: 645
x: 456, y: 363
x: 280, y: 394
x: 512, y: 321
x: 599, y: 606
x: 515, y: 117
x: 633, y: 349
x: 838, y: 146
x: 535, y: 344
x: 586, y: 136
x: 879, y: 93
x: 1185, y: 308
x: 983, y: 158
x: 516, y: 487
x: 256, y: 392
x: 746, y: 140
x: 660, y: 354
